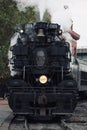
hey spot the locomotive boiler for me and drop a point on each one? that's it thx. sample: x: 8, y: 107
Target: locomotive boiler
x: 42, y: 83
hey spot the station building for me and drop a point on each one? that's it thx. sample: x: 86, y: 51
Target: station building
x: 82, y: 53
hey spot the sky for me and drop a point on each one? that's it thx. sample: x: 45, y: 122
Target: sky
x: 79, y: 16
x: 77, y: 12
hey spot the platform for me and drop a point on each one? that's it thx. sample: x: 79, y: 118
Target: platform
x: 5, y: 111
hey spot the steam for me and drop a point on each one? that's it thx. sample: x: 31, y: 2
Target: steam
x: 59, y: 14
x: 56, y: 8
x: 41, y: 4
x: 59, y: 11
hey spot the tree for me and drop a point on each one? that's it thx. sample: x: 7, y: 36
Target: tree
x: 8, y: 11
x: 9, y: 17
x: 30, y: 14
x: 47, y: 16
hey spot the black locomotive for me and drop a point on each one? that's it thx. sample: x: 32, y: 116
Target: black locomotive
x: 42, y: 84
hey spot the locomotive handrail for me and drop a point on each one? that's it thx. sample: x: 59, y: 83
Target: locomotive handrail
x: 37, y: 89
x: 51, y: 66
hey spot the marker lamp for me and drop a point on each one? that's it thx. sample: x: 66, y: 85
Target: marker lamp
x: 21, y: 31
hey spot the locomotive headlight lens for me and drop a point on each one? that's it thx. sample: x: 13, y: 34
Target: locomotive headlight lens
x: 43, y: 79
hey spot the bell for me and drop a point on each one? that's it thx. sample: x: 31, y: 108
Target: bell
x: 40, y: 33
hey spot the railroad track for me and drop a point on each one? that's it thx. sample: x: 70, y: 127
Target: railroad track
x: 6, y: 122
x: 16, y: 123
x: 78, y: 121
x: 13, y: 122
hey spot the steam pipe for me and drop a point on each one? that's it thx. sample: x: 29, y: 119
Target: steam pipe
x: 62, y: 72
x: 24, y: 73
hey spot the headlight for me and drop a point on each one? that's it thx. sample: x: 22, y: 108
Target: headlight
x: 60, y: 32
x: 43, y: 79
x: 21, y: 31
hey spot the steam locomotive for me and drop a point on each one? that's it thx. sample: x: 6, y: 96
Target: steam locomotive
x: 44, y: 76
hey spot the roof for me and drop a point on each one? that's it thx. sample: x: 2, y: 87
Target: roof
x: 82, y: 50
